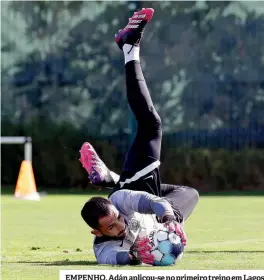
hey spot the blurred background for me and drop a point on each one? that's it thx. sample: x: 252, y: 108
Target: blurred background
x: 63, y: 83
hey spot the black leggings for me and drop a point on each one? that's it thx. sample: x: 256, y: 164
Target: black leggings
x: 147, y: 144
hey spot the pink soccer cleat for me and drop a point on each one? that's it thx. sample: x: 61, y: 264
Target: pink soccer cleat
x: 92, y: 163
x: 133, y: 32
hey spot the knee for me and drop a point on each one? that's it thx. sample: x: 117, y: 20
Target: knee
x: 154, y: 119
x: 158, y: 121
x: 193, y: 194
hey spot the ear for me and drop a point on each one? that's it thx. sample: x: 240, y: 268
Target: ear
x: 96, y: 233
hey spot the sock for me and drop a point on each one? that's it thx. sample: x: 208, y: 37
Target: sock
x: 114, y: 176
x: 131, y: 53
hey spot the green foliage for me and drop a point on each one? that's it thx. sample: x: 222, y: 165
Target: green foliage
x: 210, y: 170
x: 201, y: 60
x: 56, y: 153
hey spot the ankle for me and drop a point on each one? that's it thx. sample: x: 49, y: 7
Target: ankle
x: 131, y: 53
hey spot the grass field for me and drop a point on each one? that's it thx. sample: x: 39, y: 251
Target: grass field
x: 41, y: 238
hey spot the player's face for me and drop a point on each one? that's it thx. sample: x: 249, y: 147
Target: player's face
x: 113, y: 225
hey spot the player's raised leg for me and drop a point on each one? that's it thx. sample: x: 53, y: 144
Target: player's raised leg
x: 145, y: 150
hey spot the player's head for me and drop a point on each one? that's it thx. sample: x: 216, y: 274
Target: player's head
x: 103, y: 217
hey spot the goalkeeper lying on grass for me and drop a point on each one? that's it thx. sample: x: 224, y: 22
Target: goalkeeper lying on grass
x: 138, y: 202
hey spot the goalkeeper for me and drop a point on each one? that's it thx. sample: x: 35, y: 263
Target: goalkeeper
x: 138, y: 200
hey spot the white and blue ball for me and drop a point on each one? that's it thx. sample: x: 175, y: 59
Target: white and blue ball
x: 167, y: 247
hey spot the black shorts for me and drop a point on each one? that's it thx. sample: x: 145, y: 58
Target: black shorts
x: 182, y: 199
x: 149, y: 182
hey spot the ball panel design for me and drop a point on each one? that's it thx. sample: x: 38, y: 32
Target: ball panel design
x: 168, y: 260
x: 167, y: 247
x: 157, y: 254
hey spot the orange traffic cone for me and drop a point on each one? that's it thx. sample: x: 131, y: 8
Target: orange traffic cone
x: 26, y: 185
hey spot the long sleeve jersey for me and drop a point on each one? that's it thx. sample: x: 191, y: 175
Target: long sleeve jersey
x: 141, y: 212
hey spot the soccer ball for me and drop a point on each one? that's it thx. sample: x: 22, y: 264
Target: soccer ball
x: 166, y: 246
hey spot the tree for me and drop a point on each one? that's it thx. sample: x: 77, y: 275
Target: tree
x: 201, y: 69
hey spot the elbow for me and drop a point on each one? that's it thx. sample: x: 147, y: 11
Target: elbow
x: 107, y: 261
x: 123, y: 258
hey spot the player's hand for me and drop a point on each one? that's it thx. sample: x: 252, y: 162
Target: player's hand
x: 178, y: 228
x: 143, y: 250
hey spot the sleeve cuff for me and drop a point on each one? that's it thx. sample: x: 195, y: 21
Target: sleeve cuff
x: 168, y: 218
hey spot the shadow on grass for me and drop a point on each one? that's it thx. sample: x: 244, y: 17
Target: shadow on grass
x: 72, y: 263
x: 60, y: 263
x: 222, y: 251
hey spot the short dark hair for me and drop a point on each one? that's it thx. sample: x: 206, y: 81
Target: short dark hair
x: 94, y: 209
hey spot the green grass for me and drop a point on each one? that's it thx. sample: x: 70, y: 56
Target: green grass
x: 41, y: 238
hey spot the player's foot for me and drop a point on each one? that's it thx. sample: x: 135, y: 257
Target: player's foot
x: 92, y: 163
x: 133, y: 32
